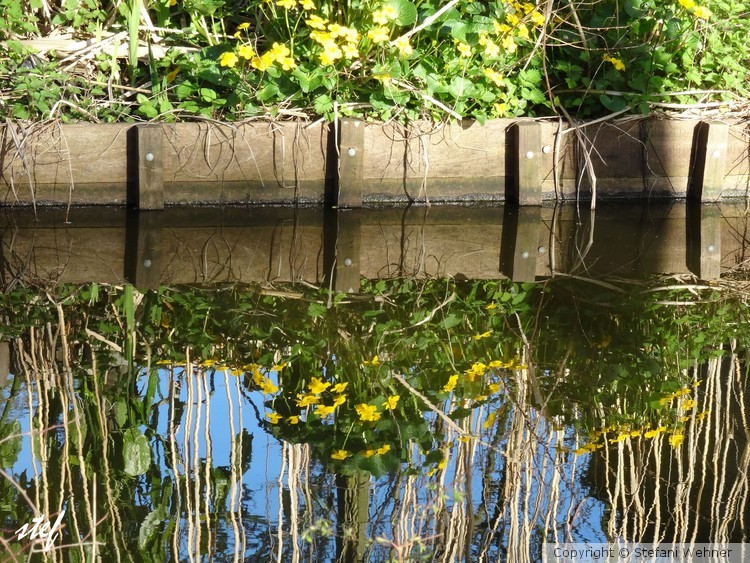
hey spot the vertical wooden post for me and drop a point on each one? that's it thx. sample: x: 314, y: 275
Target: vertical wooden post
x: 527, y: 184
x: 346, y: 275
x: 143, y: 249
x: 709, y: 161
x: 519, y: 248
x: 704, y: 240
x: 4, y: 362
x: 351, y: 159
x: 150, y: 156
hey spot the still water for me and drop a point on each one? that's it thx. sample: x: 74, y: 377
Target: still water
x: 459, y: 405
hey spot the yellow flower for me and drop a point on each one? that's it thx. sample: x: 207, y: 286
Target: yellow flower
x: 367, y: 413
x: 494, y: 387
x: 490, y: 420
x: 537, y: 18
x: 282, y: 365
x: 228, y: 59
x: 273, y: 417
x: 676, y: 439
x: 509, y: 45
x: 701, y: 12
x: 293, y: 420
x: 491, y: 48
x: 374, y: 362
x: 350, y: 51
x: 451, y: 385
x: 463, y: 49
x: 494, y: 76
x: 483, y: 335
x: 340, y: 387
x: 402, y: 43
x: 383, y: 449
x: 331, y: 53
x: 307, y: 4
x: 384, y: 15
x: 316, y: 22
x: 492, y: 305
x: 477, y: 370
x: 268, y: 387
x: 378, y: 34
x: 317, y: 386
x: 369, y: 453
x: 617, y: 63
x: 243, y: 25
x: 651, y: 433
x: 262, y: 63
x: 306, y: 400
x: 391, y: 402
x: 170, y: 78
x: 323, y: 411
x: 286, y: 4
x: 172, y: 2
x: 687, y: 4
x: 689, y: 404
x: 340, y: 455
x: 246, y: 52
x: 339, y: 400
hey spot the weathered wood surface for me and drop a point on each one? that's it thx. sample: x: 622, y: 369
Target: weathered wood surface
x: 289, y: 245
x: 289, y: 162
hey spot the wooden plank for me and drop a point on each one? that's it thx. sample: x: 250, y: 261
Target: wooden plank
x: 709, y: 161
x: 527, y: 185
x: 272, y: 158
x: 150, y: 157
x: 704, y: 222
x: 520, y: 242
x: 143, y: 249
x: 352, y: 156
x: 444, y: 161
x: 346, y: 274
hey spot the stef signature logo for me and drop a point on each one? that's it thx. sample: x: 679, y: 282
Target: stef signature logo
x: 40, y: 529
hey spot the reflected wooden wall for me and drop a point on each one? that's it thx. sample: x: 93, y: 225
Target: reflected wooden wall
x: 291, y: 245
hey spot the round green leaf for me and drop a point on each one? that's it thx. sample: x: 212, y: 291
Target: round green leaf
x: 136, y: 452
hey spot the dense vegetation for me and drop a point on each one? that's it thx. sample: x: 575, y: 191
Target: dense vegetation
x: 225, y: 59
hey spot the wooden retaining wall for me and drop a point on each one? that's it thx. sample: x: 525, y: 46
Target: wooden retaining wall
x: 318, y: 246
x: 521, y: 160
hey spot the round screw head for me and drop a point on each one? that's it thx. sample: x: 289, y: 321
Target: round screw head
x: 716, y: 153
x: 347, y: 262
x: 711, y: 248
x: 525, y: 254
x: 530, y: 155
x: 149, y: 156
x: 546, y: 149
x: 352, y: 151
x: 541, y: 250
x: 147, y: 263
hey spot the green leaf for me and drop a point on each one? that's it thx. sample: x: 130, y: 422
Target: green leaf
x: 407, y: 12
x: 612, y: 103
x: 316, y: 310
x: 151, y: 526
x: 136, y: 452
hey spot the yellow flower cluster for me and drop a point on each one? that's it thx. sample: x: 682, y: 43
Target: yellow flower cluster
x: 378, y: 451
x: 264, y: 384
x: 278, y: 53
x: 597, y: 438
x: 368, y: 413
x: 617, y: 63
x: 338, y: 41
x: 700, y: 12
x: 291, y: 4
x: 315, y: 388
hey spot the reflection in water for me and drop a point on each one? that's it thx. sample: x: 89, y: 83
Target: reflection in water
x: 226, y: 453
x: 697, y: 492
